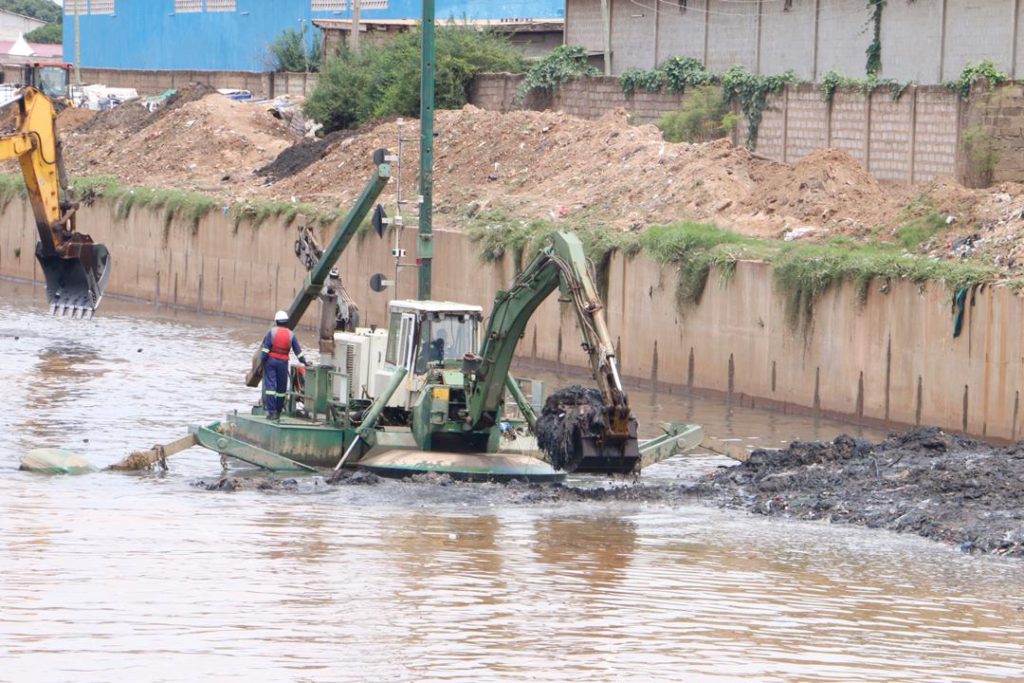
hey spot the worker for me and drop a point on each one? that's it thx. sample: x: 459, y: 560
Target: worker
x: 437, y: 347
x: 277, y: 347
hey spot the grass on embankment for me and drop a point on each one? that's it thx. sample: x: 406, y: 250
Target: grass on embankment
x: 184, y: 205
x: 802, y: 271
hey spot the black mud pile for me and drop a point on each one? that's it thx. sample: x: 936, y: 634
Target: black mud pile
x: 300, y: 155
x: 566, y: 412
x: 926, y: 482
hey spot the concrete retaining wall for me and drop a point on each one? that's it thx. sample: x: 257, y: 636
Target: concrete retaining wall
x: 268, y: 84
x: 892, y: 358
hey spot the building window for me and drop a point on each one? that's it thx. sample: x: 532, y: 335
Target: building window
x: 339, y: 5
x: 182, y: 6
x: 73, y: 7
x: 220, y: 6
x: 101, y: 7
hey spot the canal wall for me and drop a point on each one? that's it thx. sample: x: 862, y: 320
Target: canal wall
x: 891, y: 358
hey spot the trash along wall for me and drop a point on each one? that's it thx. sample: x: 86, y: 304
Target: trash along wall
x: 890, y: 358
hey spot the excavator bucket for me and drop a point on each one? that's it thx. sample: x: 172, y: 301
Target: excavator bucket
x: 604, y: 452
x: 75, y: 284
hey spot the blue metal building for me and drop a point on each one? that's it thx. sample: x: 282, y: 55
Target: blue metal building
x: 234, y: 35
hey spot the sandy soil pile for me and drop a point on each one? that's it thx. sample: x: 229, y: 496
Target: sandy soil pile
x: 71, y: 119
x: 552, y: 165
x: 200, y: 140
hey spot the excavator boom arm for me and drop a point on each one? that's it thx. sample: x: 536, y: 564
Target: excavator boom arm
x: 34, y: 145
x: 76, y: 269
x: 562, y: 265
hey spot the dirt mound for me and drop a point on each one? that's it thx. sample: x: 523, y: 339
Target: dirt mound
x: 554, y: 166
x: 827, y: 188
x: 71, y: 118
x: 208, y: 143
x: 131, y: 117
x: 939, y: 486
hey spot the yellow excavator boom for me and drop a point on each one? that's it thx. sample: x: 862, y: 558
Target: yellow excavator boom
x: 76, y: 268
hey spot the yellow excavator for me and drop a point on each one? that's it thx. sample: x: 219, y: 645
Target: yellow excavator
x: 76, y: 268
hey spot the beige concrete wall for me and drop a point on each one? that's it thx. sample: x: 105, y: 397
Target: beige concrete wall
x: 262, y: 84
x: 892, y: 358
x: 992, y: 135
x: 587, y: 98
x: 927, y: 42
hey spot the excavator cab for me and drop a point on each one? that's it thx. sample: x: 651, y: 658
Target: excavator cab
x: 51, y: 79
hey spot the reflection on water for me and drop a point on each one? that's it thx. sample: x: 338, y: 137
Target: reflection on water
x: 146, y: 578
x: 596, y: 549
x: 63, y: 375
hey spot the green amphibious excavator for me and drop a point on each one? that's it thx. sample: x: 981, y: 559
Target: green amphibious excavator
x: 430, y: 393
x: 76, y: 268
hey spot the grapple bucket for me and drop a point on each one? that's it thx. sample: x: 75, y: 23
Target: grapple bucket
x: 75, y: 284
x: 575, y: 430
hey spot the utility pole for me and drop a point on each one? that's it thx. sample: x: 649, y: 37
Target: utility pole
x: 78, y: 41
x: 425, y: 238
x: 355, y: 25
x: 606, y: 36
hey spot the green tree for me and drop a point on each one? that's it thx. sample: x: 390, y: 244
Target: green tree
x: 51, y: 33
x: 384, y: 80
x: 37, y: 9
x: 291, y: 52
x: 704, y: 115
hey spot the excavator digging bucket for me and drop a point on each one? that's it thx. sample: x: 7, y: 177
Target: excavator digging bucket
x: 608, y: 453
x: 75, y: 285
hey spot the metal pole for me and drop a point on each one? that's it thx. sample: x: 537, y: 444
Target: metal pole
x: 355, y: 24
x: 78, y: 41
x: 606, y: 36
x: 424, y: 242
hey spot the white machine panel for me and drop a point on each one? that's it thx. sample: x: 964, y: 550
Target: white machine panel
x: 359, y: 355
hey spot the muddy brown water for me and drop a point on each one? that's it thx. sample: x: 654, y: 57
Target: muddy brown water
x: 112, y: 577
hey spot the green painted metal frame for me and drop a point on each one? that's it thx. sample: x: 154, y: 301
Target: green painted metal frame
x: 225, y: 444
x: 677, y: 438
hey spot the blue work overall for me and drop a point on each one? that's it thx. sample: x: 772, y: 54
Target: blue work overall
x: 277, y: 345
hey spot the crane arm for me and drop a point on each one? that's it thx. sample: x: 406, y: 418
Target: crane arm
x: 562, y: 265
x: 347, y: 228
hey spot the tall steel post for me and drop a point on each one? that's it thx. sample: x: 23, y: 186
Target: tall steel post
x: 425, y: 238
x: 78, y: 42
